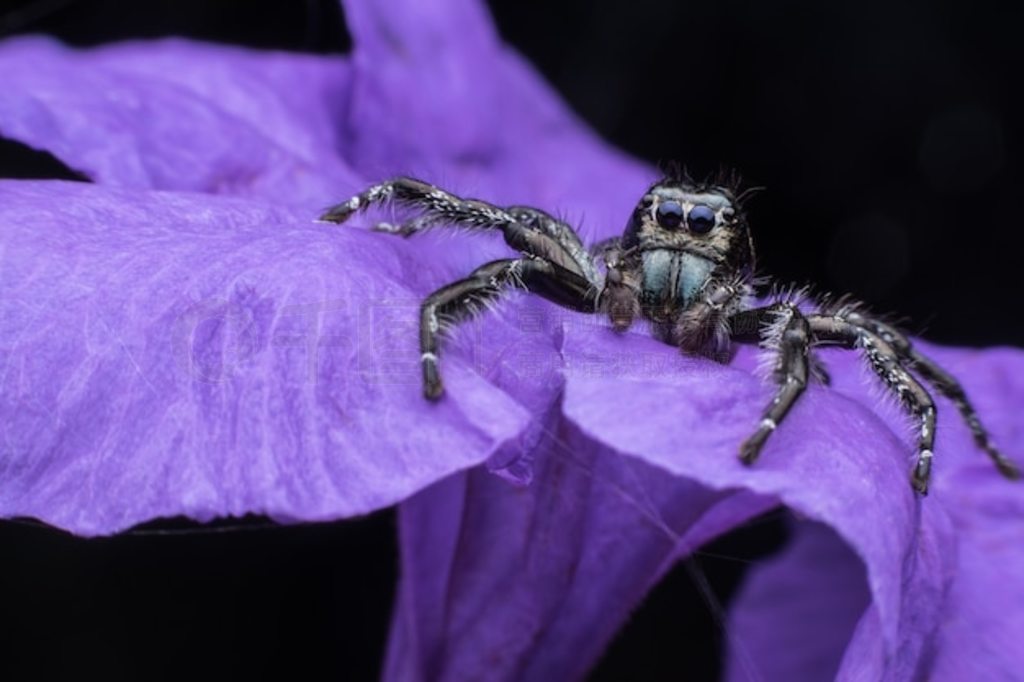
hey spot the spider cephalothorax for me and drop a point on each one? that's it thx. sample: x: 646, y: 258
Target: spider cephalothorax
x: 685, y: 262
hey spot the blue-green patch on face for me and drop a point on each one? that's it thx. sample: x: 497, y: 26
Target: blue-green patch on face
x: 673, y: 275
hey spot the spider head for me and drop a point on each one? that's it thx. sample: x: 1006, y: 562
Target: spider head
x: 704, y: 220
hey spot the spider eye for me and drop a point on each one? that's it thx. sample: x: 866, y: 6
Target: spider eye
x: 701, y: 219
x: 670, y: 214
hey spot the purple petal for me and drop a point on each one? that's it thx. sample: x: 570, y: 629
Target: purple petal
x: 178, y: 115
x: 796, y: 613
x: 983, y: 624
x: 168, y: 354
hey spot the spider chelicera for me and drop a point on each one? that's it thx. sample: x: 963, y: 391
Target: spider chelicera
x: 685, y: 262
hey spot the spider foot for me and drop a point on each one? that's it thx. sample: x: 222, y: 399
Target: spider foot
x: 433, y: 388
x: 922, y: 472
x: 749, y: 453
x: 433, y: 392
x: 750, y: 450
x: 341, y: 212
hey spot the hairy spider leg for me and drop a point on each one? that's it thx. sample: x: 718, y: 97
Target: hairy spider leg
x: 890, y: 354
x: 561, y: 232
x: 703, y: 327
x: 791, y: 370
x: 886, y: 363
x: 795, y: 334
x: 437, y: 204
x: 556, y: 266
x: 464, y: 298
x: 943, y: 382
x: 525, y: 229
x: 530, y: 217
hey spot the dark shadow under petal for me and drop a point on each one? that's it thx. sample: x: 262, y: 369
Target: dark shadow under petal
x: 22, y: 162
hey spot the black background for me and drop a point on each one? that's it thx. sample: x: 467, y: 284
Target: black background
x: 887, y: 136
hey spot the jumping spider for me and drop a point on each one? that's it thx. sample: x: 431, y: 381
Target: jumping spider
x: 685, y: 262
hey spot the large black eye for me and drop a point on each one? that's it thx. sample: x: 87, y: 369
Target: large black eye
x: 701, y: 219
x: 670, y: 214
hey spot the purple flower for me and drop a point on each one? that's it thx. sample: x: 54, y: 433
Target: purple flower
x: 179, y: 337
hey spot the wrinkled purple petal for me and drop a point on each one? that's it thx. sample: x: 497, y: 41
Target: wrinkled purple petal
x: 983, y: 623
x: 171, y: 354
x: 179, y: 115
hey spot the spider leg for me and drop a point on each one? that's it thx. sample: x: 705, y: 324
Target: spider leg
x: 794, y: 334
x: 561, y: 232
x: 791, y: 333
x: 531, y: 217
x: 886, y: 362
x: 462, y: 299
x: 703, y: 328
x: 943, y: 382
x: 620, y: 291
x: 436, y: 203
x: 525, y: 229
